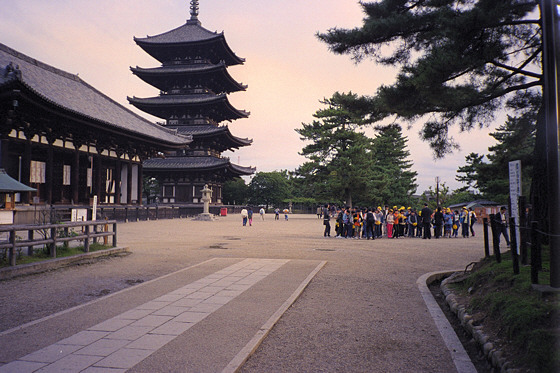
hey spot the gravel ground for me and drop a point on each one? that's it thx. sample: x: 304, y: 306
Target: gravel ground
x: 361, y: 313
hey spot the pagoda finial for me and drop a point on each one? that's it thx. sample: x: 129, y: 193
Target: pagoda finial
x: 194, y: 10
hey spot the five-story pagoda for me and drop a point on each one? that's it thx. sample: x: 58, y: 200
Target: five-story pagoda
x: 194, y: 82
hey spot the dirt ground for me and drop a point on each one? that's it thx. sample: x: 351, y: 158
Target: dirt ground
x: 361, y: 312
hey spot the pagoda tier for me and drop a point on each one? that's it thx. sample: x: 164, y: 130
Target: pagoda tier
x: 193, y: 164
x: 218, y: 138
x: 180, y: 109
x: 189, y: 42
x: 185, y: 78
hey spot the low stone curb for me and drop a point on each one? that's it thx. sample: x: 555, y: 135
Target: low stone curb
x: 493, y: 354
x: 51, y: 264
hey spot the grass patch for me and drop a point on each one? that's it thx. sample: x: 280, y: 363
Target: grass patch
x: 61, y: 252
x: 525, y: 318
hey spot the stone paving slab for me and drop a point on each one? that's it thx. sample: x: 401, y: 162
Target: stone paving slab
x: 208, y: 319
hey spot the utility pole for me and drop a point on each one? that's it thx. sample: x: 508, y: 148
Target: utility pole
x: 437, y: 191
x: 551, y: 96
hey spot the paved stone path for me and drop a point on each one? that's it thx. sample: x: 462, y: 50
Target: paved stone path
x: 121, y: 342
x: 207, y: 300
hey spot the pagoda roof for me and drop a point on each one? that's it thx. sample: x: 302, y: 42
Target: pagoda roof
x: 213, y: 76
x: 214, y: 132
x: 69, y: 94
x: 196, y: 164
x: 187, y: 39
x: 216, y: 107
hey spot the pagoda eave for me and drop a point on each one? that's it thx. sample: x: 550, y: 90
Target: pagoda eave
x: 215, y: 76
x: 195, y: 165
x: 216, y: 107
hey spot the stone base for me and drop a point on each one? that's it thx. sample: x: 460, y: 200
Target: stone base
x: 205, y: 217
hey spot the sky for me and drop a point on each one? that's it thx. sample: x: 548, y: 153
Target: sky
x: 287, y: 69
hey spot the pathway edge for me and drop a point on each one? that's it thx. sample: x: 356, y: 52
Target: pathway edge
x: 237, y: 362
x: 460, y: 358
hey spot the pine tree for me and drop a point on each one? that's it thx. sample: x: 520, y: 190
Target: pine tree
x: 394, y: 181
x: 460, y: 61
x: 340, y: 163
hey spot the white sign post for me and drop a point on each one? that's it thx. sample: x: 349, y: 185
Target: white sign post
x: 514, y: 193
x: 94, y: 209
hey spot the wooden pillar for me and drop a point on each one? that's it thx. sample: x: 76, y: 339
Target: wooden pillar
x: 129, y: 184
x: 50, y: 173
x: 117, y: 177
x: 140, y: 183
x: 75, y: 175
x: 4, y: 153
x: 26, y: 169
x: 98, y: 184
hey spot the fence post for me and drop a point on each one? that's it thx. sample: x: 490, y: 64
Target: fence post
x: 12, y: 249
x: 157, y: 212
x: 115, y: 234
x: 53, y: 244
x: 66, y: 234
x: 30, y: 234
x: 535, y: 252
x: 86, y: 240
x: 495, y: 239
x: 105, y: 238
x: 513, y: 245
x: 523, y: 229
x: 126, y: 214
x: 485, y: 232
x: 94, y: 239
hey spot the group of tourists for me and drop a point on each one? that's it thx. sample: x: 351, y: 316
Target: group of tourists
x: 397, y: 222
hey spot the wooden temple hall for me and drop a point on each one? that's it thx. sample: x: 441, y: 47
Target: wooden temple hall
x: 69, y: 141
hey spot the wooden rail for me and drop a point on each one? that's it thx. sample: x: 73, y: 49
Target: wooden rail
x: 53, y: 238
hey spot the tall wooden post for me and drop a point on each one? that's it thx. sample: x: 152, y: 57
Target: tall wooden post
x: 75, y: 175
x: 551, y: 98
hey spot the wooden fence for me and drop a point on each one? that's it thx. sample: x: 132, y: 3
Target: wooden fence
x: 52, y: 234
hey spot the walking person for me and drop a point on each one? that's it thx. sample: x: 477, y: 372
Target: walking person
x: 250, y: 216
x: 261, y: 212
x: 277, y: 214
x: 426, y: 221
x: 501, y: 222
x: 244, y: 215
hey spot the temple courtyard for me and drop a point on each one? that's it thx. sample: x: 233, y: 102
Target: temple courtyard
x: 198, y: 296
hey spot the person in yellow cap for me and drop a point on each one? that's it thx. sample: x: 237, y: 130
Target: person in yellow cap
x: 420, y: 225
x: 464, y: 220
x: 390, y: 221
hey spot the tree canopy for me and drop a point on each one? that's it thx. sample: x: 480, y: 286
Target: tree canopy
x: 347, y: 166
x: 460, y: 61
x: 340, y: 162
x: 515, y: 140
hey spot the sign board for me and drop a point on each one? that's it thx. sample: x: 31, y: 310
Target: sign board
x: 79, y: 215
x: 514, y: 193
x: 94, y: 209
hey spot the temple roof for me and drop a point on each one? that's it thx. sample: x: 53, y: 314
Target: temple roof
x: 70, y: 93
x: 199, y: 163
x: 210, y: 105
x: 190, y: 39
x: 214, y: 77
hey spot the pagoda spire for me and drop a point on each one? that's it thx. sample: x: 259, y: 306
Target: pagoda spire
x: 194, y: 13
